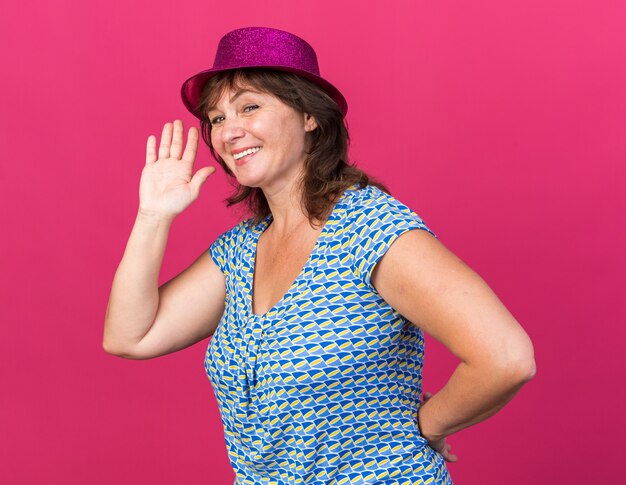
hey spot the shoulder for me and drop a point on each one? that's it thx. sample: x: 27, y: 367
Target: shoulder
x: 376, y: 209
x: 238, y: 231
x: 374, y: 220
x: 228, y: 237
x: 223, y: 248
x: 370, y: 195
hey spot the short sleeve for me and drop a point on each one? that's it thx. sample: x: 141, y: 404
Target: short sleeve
x: 219, y: 251
x: 375, y: 224
x: 223, y: 247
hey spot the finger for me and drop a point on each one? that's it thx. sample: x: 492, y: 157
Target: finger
x: 447, y: 453
x: 201, y: 176
x: 177, y: 140
x: 451, y: 457
x: 191, y: 149
x: 151, y: 155
x: 166, y: 140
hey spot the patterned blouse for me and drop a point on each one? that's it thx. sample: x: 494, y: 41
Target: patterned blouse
x: 324, y: 388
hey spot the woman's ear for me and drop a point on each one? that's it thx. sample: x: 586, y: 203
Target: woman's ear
x: 310, y: 123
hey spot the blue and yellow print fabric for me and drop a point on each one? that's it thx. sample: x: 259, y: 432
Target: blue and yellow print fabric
x: 323, y: 388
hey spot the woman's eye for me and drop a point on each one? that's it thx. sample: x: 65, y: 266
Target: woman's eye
x: 249, y: 108
x: 216, y: 120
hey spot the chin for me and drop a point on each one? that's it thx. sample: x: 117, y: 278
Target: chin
x: 249, y: 182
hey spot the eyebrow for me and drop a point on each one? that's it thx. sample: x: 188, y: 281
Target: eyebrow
x: 235, y: 96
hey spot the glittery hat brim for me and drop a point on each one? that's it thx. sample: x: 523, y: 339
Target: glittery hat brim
x: 192, y: 87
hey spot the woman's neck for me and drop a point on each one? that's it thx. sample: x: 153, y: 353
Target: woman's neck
x: 286, y: 207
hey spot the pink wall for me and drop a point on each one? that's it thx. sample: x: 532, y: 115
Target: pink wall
x: 501, y: 123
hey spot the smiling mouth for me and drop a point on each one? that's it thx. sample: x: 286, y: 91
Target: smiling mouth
x: 249, y: 151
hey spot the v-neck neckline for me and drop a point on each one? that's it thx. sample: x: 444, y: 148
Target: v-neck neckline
x: 258, y: 230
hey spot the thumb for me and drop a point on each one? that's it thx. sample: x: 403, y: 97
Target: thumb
x: 201, y: 176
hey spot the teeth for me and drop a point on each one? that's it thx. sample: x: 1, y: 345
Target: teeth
x: 237, y: 156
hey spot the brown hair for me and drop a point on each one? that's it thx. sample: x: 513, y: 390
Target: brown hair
x: 327, y: 172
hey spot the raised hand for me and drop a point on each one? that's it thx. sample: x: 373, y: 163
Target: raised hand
x: 440, y: 445
x: 167, y: 186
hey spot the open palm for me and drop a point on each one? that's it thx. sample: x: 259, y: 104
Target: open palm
x: 168, y: 185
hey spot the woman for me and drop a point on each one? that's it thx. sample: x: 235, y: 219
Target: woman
x: 317, y: 303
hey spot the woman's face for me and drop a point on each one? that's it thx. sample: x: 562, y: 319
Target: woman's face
x: 261, y: 139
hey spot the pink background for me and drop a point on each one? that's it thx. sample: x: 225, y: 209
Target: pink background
x: 501, y: 123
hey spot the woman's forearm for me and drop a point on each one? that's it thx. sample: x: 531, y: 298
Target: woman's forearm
x: 134, y: 298
x: 471, y: 395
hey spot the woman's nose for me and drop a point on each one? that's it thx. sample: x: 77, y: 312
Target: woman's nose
x: 232, y: 129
